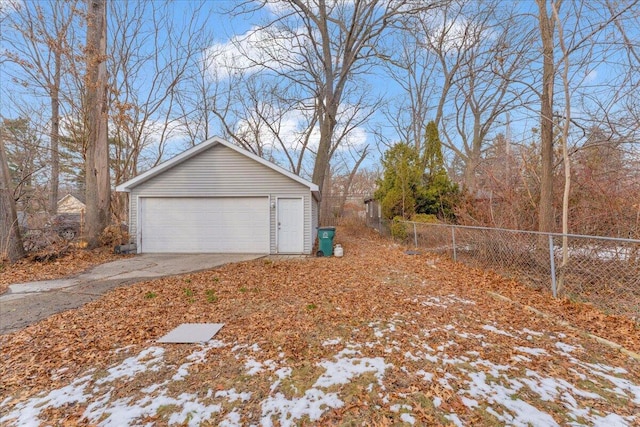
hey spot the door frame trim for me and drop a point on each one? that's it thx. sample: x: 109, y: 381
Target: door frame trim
x: 301, y: 199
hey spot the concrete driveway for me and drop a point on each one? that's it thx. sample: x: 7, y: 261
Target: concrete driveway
x: 27, y: 303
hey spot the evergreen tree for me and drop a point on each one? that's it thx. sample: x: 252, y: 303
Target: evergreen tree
x: 401, y: 182
x: 439, y: 194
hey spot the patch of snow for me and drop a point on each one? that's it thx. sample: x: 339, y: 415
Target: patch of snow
x: 344, y: 369
x: 530, y: 332
x: 27, y: 413
x: 531, y: 351
x: 444, y: 382
x: 549, y: 388
x: 437, y: 402
x: 233, y: 396
x: 469, y: 403
x: 467, y: 335
x: 286, y: 411
x: 410, y: 356
x: 152, y: 388
x: 606, y: 368
x: 427, y: 376
x: 334, y: 341
x: 408, y: 418
x: 518, y: 411
x: 253, y: 367
x: 198, y: 356
x: 496, y: 331
x: 397, y: 407
x: 454, y: 419
x: 283, y: 373
x: 565, y: 347
x: 611, y: 420
x: 622, y: 387
x: 147, y: 360
x: 446, y: 345
x: 231, y: 420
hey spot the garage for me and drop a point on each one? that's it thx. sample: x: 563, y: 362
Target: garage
x: 204, y: 225
x: 217, y: 197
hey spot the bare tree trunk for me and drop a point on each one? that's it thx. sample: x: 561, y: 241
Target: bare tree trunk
x: 10, y: 240
x: 98, y: 187
x: 352, y: 174
x: 565, y: 154
x: 54, y: 136
x: 545, y: 207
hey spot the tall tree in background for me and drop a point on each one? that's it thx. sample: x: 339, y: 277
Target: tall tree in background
x: 334, y: 44
x: 10, y: 240
x: 26, y: 158
x: 439, y: 194
x: 401, y: 183
x: 547, y: 24
x: 98, y: 186
x: 44, y: 51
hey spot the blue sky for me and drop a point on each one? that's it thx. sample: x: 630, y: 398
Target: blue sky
x: 226, y: 27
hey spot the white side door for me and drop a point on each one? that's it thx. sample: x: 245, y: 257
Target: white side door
x: 290, y: 224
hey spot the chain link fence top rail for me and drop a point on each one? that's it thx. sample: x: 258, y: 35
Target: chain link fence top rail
x: 597, y: 270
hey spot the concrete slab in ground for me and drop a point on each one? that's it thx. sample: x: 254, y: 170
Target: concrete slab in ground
x: 192, y: 333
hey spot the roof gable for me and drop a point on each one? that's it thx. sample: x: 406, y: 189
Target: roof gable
x: 194, y: 151
x: 69, y: 204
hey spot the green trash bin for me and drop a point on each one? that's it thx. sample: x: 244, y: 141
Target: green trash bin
x: 325, y: 241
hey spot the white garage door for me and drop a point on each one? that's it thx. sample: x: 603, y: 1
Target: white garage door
x: 192, y: 225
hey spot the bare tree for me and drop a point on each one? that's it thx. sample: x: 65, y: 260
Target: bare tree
x: 147, y: 70
x: 43, y: 48
x: 98, y: 186
x: 460, y: 69
x: 26, y: 157
x: 333, y: 43
x: 149, y: 103
x: 10, y: 240
x: 576, y: 46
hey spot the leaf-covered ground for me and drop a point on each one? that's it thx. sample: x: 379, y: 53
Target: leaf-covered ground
x: 56, y: 263
x: 377, y: 336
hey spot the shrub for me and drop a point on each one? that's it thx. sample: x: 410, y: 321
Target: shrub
x: 425, y: 218
x: 114, y: 235
x: 399, y: 228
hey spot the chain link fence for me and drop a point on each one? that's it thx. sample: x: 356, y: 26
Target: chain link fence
x: 597, y: 270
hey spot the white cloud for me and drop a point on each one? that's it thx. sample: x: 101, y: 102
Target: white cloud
x: 281, y: 7
x: 8, y: 7
x: 256, y: 50
x: 591, y: 76
x: 457, y: 33
x: 293, y: 128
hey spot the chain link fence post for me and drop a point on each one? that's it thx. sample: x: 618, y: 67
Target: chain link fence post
x: 552, y: 263
x: 604, y: 271
x: 453, y: 242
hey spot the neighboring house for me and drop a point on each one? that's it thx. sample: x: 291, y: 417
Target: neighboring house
x: 218, y: 197
x: 69, y: 218
x: 70, y: 204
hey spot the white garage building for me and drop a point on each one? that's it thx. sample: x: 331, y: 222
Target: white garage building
x: 219, y: 198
